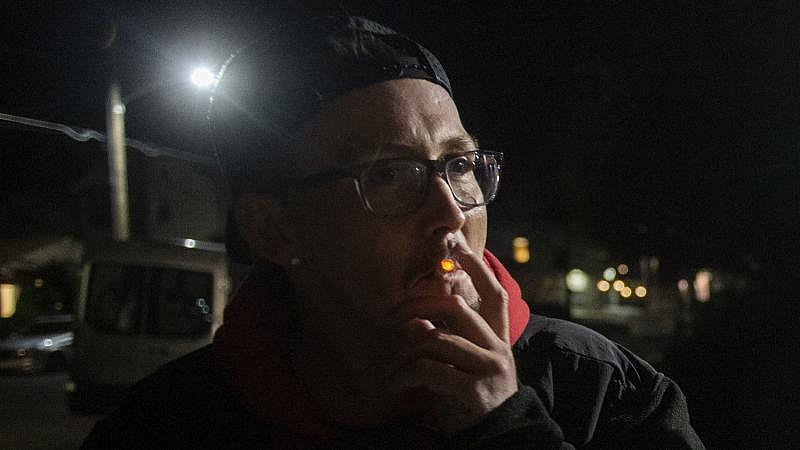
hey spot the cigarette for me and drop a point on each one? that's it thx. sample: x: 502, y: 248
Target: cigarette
x: 447, y: 264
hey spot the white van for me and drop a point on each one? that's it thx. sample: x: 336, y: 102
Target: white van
x: 140, y: 306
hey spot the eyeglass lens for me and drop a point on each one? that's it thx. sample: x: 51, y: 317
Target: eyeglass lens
x: 393, y: 188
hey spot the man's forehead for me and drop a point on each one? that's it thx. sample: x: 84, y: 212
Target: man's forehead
x: 394, y: 116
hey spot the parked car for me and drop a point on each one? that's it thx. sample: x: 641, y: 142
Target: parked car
x: 44, y: 345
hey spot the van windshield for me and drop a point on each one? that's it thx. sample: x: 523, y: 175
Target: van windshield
x: 136, y: 299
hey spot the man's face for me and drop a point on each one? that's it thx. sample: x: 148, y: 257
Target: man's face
x: 358, y: 266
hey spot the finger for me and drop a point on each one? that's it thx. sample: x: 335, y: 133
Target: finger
x: 440, y: 378
x: 451, y: 313
x: 450, y: 349
x: 494, y: 299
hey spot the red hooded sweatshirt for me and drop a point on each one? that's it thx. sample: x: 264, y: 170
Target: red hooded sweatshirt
x: 252, y: 348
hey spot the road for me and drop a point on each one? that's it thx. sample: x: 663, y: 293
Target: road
x: 33, y: 414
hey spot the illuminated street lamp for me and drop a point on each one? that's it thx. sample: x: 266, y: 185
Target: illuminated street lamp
x: 203, y: 77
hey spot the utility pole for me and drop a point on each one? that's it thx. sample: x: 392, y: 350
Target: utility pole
x: 117, y: 164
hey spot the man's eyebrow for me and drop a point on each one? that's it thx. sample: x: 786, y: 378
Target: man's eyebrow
x: 461, y: 142
x: 354, y: 153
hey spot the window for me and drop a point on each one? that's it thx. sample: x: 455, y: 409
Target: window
x: 178, y: 302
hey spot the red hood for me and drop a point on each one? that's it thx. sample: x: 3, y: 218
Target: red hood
x: 252, y: 349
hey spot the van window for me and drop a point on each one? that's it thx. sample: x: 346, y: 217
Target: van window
x: 181, y: 304
x: 115, y: 297
x: 179, y: 300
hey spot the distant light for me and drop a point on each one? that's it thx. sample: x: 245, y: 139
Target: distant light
x: 603, y: 286
x: 625, y: 292
x: 189, y: 243
x: 47, y: 342
x: 609, y: 274
x: 618, y: 285
x: 522, y: 252
x: 640, y: 291
x: 622, y: 269
x: 202, y: 77
x: 38, y: 283
x: 702, y: 285
x: 577, y: 280
x: 9, y: 293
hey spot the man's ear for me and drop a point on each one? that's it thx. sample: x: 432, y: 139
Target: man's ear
x: 262, y: 224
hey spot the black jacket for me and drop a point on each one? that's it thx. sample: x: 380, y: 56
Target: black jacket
x: 577, y: 389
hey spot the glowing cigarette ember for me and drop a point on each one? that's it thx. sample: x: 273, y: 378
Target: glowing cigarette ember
x: 447, y: 264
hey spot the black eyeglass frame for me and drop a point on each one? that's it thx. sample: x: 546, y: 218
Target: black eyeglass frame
x: 434, y: 166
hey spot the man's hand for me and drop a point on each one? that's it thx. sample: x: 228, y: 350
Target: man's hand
x: 466, y: 362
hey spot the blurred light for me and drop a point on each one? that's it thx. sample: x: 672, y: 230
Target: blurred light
x: 622, y: 269
x: 119, y: 108
x: 202, y: 77
x: 683, y: 286
x: 8, y: 299
x: 618, y: 285
x: 189, y: 243
x: 577, y: 280
x: 625, y: 292
x: 609, y: 274
x: 47, y: 342
x: 58, y: 306
x: 640, y: 291
x: 702, y: 285
x: 37, y: 283
x: 603, y: 286
x: 522, y: 252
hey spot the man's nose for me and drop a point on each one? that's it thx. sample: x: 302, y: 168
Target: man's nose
x: 442, y: 213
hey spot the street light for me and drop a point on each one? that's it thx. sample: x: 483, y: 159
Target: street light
x: 203, y: 77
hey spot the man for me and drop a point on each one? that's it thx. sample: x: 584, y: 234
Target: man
x: 373, y: 315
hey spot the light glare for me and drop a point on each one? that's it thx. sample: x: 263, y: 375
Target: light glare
x: 202, y: 77
x: 577, y: 280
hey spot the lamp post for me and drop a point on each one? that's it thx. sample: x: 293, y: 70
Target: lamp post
x: 117, y: 164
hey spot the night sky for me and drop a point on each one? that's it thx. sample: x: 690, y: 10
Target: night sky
x: 657, y: 128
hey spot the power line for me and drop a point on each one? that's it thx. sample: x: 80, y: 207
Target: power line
x: 86, y: 134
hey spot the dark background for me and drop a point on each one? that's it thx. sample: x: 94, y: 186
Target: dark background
x: 663, y: 128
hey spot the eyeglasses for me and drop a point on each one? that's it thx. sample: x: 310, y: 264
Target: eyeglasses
x: 397, y: 186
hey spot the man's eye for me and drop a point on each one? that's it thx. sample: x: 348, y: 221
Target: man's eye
x: 384, y: 175
x: 461, y: 165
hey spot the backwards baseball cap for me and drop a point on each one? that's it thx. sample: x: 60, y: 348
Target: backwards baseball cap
x: 269, y: 88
